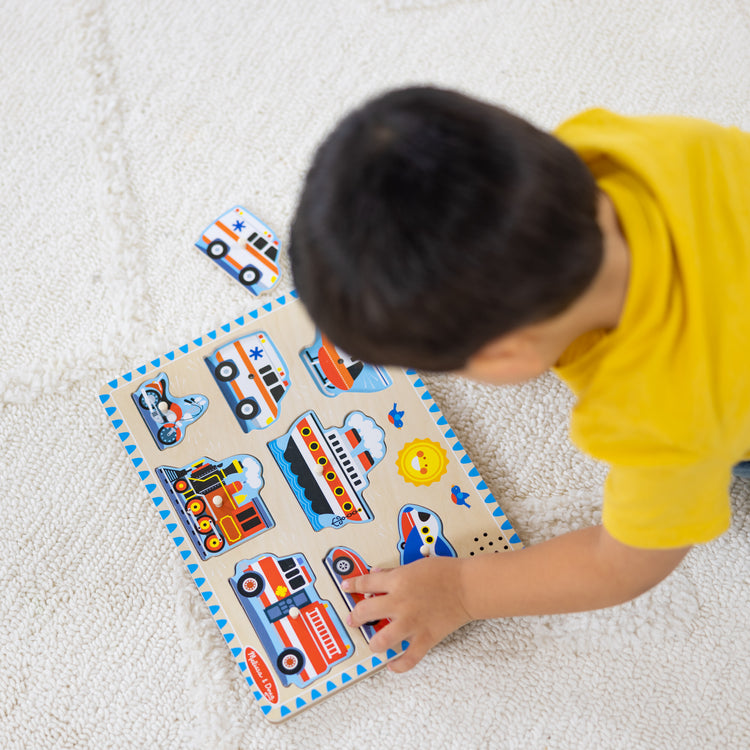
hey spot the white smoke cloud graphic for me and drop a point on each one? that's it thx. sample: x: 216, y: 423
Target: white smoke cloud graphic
x: 253, y: 471
x: 372, y: 436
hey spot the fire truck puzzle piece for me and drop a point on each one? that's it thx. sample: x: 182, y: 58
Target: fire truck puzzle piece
x: 344, y: 563
x: 301, y: 633
x: 334, y: 371
x: 327, y: 468
x: 244, y: 247
x: 218, y: 502
x: 421, y: 535
x: 253, y: 378
x: 167, y: 416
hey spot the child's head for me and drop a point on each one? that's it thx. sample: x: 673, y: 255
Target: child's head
x: 431, y: 223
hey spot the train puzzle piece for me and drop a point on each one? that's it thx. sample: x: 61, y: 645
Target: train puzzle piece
x: 334, y: 371
x: 167, y: 416
x: 327, y: 468
x: 244, y: 247
x: 218, y: 502
x: 301, y: 633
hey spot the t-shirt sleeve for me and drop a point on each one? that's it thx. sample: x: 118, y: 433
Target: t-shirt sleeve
x: 667, y: 506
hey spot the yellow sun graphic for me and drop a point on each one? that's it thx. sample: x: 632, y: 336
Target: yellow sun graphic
x: 422, y: 462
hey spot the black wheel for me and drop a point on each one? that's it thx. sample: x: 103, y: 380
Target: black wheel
x: 225, y: 371
x: 217, y: 249
x: 290, y: 661
x: 247, y: 409
x: 249, y: 275
x: 343, y: 565
x: 250, y: 584
x: 150, y: 398
x: 168, y: 434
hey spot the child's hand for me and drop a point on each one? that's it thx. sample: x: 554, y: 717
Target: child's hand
x: 422, y: 599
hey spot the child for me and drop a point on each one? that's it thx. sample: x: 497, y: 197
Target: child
x: 438, y: 232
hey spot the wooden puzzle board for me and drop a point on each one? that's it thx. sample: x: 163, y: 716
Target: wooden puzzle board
x: 424, y: 496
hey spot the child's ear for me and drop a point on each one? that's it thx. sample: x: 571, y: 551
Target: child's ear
x: 513, y: 358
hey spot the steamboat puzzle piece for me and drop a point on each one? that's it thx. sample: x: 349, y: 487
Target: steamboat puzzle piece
x: 421, y: 535
x: 218, y: 502
x: 334, y: 371
x: 167, y: 416
x: 253, y: 378
x: 244, y: 247
x: 344, y: 563
x: 327, y: 468
x: 301, y: 633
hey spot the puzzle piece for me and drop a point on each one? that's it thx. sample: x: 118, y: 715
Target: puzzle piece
x: 218, y: 502
x: 253, y: 378
x: 300, y: 632
x: 335, y: 372
x: 421, y: 535
x: 344, y: 563
x: 167, y: 416
x: 327, y: 468
x: 244, y: 247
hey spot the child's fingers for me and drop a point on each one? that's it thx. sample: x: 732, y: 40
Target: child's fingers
x: 368, y: 610
x: 372, y: 583
x: 391, y: 636
x: 409, y: 659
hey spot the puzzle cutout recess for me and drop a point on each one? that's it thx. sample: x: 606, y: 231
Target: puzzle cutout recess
x: 281, y: 467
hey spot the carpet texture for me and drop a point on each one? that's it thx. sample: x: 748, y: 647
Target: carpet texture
x: 126, y: 128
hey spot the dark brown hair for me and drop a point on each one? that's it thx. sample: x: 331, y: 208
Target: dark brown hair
x: 430, y: 223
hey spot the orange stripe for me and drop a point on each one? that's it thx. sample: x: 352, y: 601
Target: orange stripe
x: 259, y: 381
x: 261, y: 258
x: 226, y: 229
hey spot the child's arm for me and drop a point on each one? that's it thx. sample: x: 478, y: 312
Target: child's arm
x: 428, y: 599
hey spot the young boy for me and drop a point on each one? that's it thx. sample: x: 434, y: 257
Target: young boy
x: 438, y: 232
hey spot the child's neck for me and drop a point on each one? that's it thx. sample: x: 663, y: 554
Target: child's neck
x: 610, y: 287
x: 600, y: 306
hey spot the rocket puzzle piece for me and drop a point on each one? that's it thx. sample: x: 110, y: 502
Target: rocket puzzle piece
x: 344, y: 563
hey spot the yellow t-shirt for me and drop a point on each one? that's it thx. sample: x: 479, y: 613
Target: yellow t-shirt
x: 664, y: 398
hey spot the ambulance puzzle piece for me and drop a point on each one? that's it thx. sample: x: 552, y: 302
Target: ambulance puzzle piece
x: 244, y: 247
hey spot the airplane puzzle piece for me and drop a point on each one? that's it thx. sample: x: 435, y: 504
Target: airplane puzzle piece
x: 421, y: 535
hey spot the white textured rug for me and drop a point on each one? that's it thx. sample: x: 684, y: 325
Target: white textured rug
x: 124, y: 129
